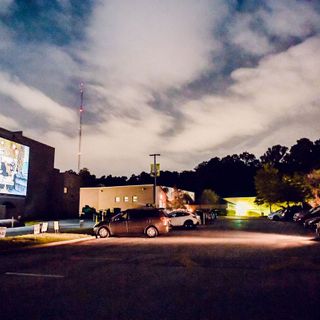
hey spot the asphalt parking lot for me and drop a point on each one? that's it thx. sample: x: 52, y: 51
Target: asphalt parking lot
x: 233, y: 269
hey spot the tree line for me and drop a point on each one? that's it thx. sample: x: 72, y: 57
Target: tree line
x: 238, y: 174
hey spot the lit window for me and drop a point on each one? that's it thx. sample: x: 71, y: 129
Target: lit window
x: 126, y: 199
x: 117, y: 199
x: 65, y: 190
x: 134, y: 198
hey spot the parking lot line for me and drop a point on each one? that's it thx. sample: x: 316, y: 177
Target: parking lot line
x: 23, y: 274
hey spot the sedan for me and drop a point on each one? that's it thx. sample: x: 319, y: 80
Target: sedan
x: 275, y: 216
x: 181, y: 218
x: 311, y: 223
x: 318, y: 230
x: 302, y: 216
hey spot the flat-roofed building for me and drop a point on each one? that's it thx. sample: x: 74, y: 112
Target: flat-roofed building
x: 30, y: 187
x: 132, y: 196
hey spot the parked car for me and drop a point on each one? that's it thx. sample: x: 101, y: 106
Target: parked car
x: 181, y: 218
x: 285, y: 214
x: 318, y: 230
x: 148, y: 221
x: 301, y: 216
x: 311, y: 222
x: 289, y: 212
x: 275, y: 216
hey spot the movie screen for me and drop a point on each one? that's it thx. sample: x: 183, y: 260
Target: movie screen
x: 14, y: 164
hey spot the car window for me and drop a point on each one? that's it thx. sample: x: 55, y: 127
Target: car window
x: 182, y: 214
x: 120, y: 217
x: 142, y: 214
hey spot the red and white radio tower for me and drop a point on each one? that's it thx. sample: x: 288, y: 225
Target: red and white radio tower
x: 80, y: 124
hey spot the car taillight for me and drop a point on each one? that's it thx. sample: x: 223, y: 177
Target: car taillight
x: 165, y: 220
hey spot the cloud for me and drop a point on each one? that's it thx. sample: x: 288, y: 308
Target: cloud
x: 35, y: 101
x: 8, y: 122
x: 283, y: 86
x: 5, y: 6
x: 290, y: 18
x: 244, y: 33
x: 155, y: 44
x: 160, y: 76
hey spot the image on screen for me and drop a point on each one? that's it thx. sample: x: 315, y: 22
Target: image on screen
x: 14, y: 165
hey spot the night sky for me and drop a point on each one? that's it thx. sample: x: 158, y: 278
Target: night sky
x: 190, y: 79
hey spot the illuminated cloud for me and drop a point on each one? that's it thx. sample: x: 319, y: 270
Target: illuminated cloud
x: 188, y: 79
x: 35, y: 101
x: 281, y: 88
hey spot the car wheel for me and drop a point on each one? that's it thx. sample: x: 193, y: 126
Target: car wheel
x: 276, y: 218
x: 151, y: 232
x: 103, y: 232
x: 188, y: 224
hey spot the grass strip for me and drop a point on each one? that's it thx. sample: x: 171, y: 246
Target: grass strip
x: 36, y: 239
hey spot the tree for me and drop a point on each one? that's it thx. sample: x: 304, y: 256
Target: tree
x: 301, y: 156
x: 268, y: 185
x: 249, y: 159
x: 178, y: 200
x: 274, y: 188
x: 87, y: 179
x: 294, y: 188
x: 208, y: 196
x: 274, y: 156
x: 313, y: 183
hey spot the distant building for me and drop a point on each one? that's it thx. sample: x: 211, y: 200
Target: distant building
x: 132, y: 196
x: 65, y: 194
x: 245, y: 206
x: 29, y: 184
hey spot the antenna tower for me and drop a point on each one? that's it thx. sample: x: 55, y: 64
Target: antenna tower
x: 80, y: 124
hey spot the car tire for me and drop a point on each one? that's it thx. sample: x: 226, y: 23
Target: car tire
x: 276, y: 218
x: 151, y: 232
x: 104, y: 232
x: 188, y: 224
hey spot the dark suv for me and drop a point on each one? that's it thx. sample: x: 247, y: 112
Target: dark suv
x: 148, y: 221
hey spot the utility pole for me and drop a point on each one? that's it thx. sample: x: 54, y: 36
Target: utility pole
x: 155, y: 155
x: 80, y: 124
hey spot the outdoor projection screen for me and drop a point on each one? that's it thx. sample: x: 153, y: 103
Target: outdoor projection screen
x: 14, y: 165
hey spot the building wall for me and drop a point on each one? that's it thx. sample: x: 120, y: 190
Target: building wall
x: 245, y: 206
x: 39, y: 191
x: 124, y: 197
x: 65, y: 194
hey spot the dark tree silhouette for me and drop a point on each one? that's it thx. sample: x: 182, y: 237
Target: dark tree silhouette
x: 232, y: 175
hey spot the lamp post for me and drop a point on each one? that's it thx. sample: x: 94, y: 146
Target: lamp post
x: 154, y: 155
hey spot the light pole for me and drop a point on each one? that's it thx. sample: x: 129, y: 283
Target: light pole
x: 155, y: 155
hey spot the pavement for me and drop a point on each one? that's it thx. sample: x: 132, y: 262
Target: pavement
x: 232, y: 269
x: 69, y: 224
